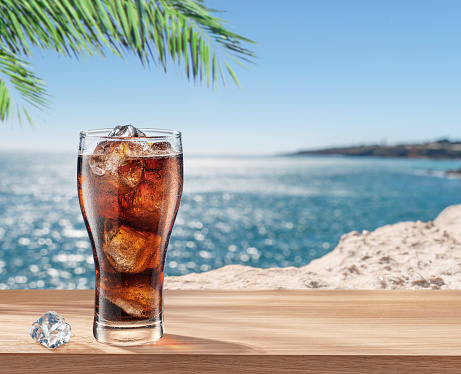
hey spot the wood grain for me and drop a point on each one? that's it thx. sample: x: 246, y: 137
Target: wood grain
x: 249, y: 331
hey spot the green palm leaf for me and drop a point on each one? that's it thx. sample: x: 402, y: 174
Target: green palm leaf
x: 20, y: 76
x: 183, y: 32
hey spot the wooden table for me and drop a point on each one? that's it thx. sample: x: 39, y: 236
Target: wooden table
x: 282, y: 331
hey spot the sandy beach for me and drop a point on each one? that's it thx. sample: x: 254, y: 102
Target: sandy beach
x: 405, y: 255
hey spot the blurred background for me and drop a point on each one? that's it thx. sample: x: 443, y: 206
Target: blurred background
x: 328, y: 73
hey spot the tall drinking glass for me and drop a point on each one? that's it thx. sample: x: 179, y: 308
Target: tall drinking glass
x: 129, y: 187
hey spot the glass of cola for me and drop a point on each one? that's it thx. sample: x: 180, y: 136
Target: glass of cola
x: 129, y: 187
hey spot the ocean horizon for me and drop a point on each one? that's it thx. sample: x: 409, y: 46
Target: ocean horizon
x: 260, y: 211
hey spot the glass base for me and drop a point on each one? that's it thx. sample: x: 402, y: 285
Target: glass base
x: 129, y: 333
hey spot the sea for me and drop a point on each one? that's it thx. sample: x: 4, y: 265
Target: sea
x: 260, y: 211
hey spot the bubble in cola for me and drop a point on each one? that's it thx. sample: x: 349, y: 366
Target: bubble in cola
x: 129, y: 189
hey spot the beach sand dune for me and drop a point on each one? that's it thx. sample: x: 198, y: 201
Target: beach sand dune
x: 406, y: 255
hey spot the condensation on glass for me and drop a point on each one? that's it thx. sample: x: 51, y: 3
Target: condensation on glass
x: 129, y: 187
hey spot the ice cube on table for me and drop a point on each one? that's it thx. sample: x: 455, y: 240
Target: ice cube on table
x: 139, y: 301
x: 130, y: 251
x: 51, y: 330
x: 126, y: 131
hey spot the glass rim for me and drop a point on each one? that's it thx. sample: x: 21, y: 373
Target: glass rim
x: 103, y: 134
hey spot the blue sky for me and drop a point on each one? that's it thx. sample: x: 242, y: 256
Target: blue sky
x: 328, y: 72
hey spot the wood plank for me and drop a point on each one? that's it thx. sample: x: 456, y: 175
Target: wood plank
x: 253, y: 331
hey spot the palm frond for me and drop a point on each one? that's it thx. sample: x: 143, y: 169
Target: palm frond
x: 21, y: 77
x: 183, y: 32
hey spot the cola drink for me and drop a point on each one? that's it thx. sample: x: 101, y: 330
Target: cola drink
x: 129, y: 190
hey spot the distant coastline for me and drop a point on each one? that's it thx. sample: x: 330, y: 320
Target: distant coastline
x: 441, y: 149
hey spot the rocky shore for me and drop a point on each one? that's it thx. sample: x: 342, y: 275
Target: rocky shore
x: 406, y: 255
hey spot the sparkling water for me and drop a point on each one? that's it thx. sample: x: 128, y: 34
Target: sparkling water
x: 257, y: 211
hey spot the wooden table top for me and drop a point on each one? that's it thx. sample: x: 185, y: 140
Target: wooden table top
x: 314, y: 331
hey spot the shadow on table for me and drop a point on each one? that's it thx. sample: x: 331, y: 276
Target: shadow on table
x: 177, y: 344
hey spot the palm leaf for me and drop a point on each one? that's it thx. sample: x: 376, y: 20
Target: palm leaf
x: 31, y: 88
x: 183, y: 32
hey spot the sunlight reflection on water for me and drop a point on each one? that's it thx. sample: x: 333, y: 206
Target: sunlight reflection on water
x: 258, y: 211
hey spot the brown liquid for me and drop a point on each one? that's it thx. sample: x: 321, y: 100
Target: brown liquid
x: 129, y: 208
